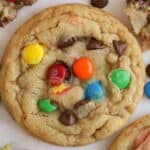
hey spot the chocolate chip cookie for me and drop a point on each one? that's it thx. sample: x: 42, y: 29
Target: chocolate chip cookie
x: 134, y: 137
x: 72, y: 75
x: 138, y: 12
x: 9, y: 8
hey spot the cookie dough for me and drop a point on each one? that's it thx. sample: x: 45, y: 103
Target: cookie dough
x: 134, y: 137
x: 51, y: 98
x: 6, y: 147
x: 138, y: 12
x: 9, y: 9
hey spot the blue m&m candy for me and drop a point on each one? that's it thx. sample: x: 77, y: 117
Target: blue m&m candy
x: 94, y: 91
x: 147, y: 89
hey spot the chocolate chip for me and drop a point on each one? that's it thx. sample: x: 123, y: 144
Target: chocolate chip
x: 55, y: 103
x: 25, y: 2
x: 99, y: 3
x: 148, y: 70
x: 68, y: 118
x: 148, y: 18
x: 94, y: 44
x: 80, y: 103
x: 66, y: 43
x: 128, y: 1
x: 119, y: 46
x: 4, y: 22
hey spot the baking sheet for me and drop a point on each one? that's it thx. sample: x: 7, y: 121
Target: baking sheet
x: 10, y: 131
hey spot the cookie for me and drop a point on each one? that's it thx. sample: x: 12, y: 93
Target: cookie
x: 138, y: 12
x: 6, y: 147
x: 9, y: 8
x: 72, y: 75
x: 134, y: 137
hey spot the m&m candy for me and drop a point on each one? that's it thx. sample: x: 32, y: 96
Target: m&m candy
x: 94, y: 91
x: 56, y: 74
x: 147, y: 89
x: 83, y: 68
x: 45, y: 105
x: 121, y: 78
x: 33, y: 54
x: 60, y: 89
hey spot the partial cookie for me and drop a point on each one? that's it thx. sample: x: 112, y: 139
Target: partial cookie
x: 72, y: 75
x: 138, y: 12
x: 134, y: 137
x: 6, y: 147
x: 9, y: 8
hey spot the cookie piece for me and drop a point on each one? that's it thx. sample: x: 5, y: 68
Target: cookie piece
x: 138, y: 12
x: 6, y: 147
x: 134, y: 137
x: 62, y: 56
x: 9, y: 8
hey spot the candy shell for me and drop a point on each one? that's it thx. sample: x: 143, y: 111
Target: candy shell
x: 60, y: 89
x: 45, y: 105
x: 56, y: 74
x: 33, y: 54
x: 94, y: 91
x: 121, y: 78
x: 147, y: 89
x: 83, y: 68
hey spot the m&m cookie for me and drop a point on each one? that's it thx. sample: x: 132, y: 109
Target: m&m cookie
x: 72, y: 75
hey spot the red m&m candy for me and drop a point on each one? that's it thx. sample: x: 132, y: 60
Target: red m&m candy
x: 83, y: 68
x: 56, y: 74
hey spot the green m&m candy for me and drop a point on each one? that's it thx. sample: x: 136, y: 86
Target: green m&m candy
x: 46, y: 106
x: 121, y: 78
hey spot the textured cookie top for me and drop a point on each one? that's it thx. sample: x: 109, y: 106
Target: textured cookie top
x: 138, y: 12
x: 9, y: 8
x: 72, y: 75
x: 136, y: 136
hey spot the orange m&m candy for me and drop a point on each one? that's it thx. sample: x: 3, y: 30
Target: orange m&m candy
x: 83, y: 68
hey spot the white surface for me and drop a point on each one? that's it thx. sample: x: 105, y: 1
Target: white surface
x: 10, y: 132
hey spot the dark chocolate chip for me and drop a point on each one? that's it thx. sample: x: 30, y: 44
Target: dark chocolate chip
x: 95, y: 44
x: 66, y: 43
x: 148, y: 18
x: 68, y: 118
x: 128, y: 1
x: 148, y: 70
x: 25, y: 2
x: 80, y: 103
x: 55, y: 103
x: 4, y: 22
x: 28, y: 2
x: 99, y: 3
x: 119, y: 46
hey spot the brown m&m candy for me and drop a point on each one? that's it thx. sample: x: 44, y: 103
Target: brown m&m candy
x: 148, y: 70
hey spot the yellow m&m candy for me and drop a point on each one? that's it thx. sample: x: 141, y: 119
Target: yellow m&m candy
x: 33, y: 54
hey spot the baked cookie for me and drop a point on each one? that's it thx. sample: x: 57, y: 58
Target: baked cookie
x: 138, y: 12
x: 9, y: 8
x: 134, y: 137
x: 72, y: 75
x: 6, y: 147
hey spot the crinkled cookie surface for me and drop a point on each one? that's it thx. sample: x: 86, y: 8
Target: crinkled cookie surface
x: 134, y: 137
x: 138, y: 12
x: 45, y: 88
